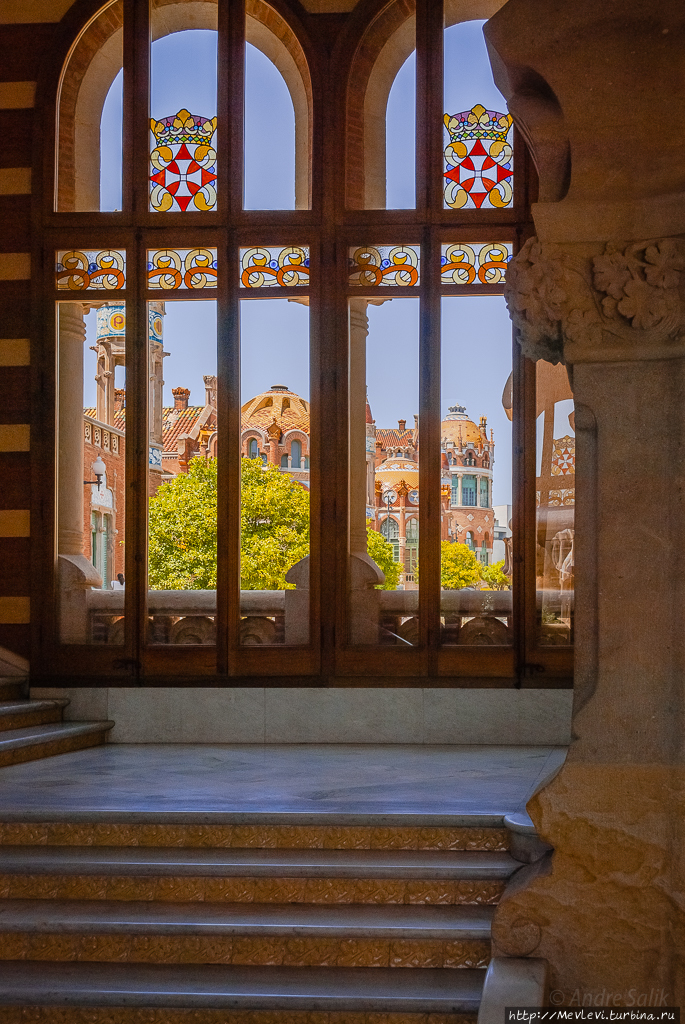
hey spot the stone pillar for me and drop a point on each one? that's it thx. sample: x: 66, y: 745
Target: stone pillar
x: 359, y: 329
x: 602, y: 288
x: 76, y: 572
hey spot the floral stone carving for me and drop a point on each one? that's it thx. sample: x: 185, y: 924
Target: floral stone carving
x: 571, y: 304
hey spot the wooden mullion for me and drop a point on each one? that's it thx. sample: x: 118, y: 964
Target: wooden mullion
x: 229, y: 456
x: 137, y: 55
x: 316, y: 449
x: 235, y: 97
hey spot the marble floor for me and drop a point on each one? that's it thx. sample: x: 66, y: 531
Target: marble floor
x: 306, y: 784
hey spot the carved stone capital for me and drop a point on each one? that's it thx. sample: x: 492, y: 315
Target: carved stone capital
x: 599, y: 302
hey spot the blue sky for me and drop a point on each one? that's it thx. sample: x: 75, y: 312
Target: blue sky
x: 274, y: 345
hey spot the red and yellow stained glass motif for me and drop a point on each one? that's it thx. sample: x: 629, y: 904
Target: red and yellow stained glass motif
x: 183, y: 163
x: 170, y: 269
x: 91, y: 269
x: 478, y: 159
x: 385, y: 265
x: 280, y: 266
x: 475, y: 263
x: 564, y: 456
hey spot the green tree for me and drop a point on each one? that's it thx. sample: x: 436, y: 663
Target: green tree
x: 382, y: 553
x: 459, y: 566
x: 495, y: 577
x: 274, y: 524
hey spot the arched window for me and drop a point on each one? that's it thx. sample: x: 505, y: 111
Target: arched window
x: 470, y: 543
x: 296, y: 454
x: 284, y: 461
x: 253, y: 449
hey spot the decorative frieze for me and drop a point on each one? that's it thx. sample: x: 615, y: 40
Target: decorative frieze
x: 599, y: 302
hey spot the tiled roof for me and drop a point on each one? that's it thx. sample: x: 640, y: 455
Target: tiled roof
x: 390, y: 438
x: 289, y: 410
x: 183, y: 423
x: 119, y: 418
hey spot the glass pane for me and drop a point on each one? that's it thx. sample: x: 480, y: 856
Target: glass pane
x: 170, y: 269
x: 183, y: 107
x: 90, y: 269
x: 555, y: 500
x: 384, y: 266
x: 400, y: 132
x: 476, y: 487
x: 90, y: 117
x: 91, y: 472
x: 182, y: 473
x: 475, y: 263
x: 478, y: 132
x: 384, y: 472
x: 275, y: 446
x: 274, y: 267
x: 270, y: 182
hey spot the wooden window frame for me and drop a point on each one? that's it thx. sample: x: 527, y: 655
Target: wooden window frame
x: 329, y: 227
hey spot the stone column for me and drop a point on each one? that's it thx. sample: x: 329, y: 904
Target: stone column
x: 602, y: 288
x: 76, y: 572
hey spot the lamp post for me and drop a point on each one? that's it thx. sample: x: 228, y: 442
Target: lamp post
x: 99, y: 469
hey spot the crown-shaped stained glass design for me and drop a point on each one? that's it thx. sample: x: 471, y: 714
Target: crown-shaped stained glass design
x: 183, y: 163
x: 479, y: 166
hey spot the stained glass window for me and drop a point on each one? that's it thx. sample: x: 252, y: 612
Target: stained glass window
x: 274, y: 267
x: 479, y: 164
x: 475, y: 263
x: 91, y: 269
x: 385, y: 265
x: 183, y: 163
x: 181, y: 268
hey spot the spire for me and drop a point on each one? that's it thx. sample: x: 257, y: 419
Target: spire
x: 369, y: 417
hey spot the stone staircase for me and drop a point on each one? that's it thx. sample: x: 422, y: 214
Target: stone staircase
x: 31, y: 729
x: 258, y: 923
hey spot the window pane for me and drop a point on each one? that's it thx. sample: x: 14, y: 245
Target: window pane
x: 275, y: 447
x: 91, y: 472
x: 183, y: 108
x: 182, y: 472
x: 478, y: 132
x: 384, y: 472
x: 270, y: 158
x: 400, y: 138
x: 476, y: 565
x: 555, y: 500
x: 384, y: 266
x: 90, y: 117
x: 170, y: 269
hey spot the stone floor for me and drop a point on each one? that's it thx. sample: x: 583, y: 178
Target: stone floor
x: 400, y: 784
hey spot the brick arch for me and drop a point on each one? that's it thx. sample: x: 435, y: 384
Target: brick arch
x: 385, y: 44
x: 94, y: 61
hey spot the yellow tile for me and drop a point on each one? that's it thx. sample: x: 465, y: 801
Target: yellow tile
x: 17, y: 95
x: 14, y: 522
x: 15, y: 266
x: 14, y: 611
x: 14, y: 351
x: 14, y: 437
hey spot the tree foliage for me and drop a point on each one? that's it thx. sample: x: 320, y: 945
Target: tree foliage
x: 274, y: 523
x: 459, y: 566
x: 495, y: 577
x: 382, y: 553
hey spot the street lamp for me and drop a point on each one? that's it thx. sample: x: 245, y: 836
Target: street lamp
x: 99, y: 469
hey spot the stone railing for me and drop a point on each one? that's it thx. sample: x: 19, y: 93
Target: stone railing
x: 480, y: 617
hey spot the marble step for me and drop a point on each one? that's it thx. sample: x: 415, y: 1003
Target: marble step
x: 89, y: 828
x: 207, y: 987
x: 37, y: 741
x: 17, y: 714
x: 294, y: 863
x: 176, y: 1015
x: 416, y: 937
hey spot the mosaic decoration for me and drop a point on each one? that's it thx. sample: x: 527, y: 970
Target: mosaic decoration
x: 181, y: 268
x: 282, y: 266
x: 91, y: 269
x: 563, y: 456
x: 111, y: 321
x: 385, y: 265
x: 475, y: 263
x: 183, y: 163
x: 478, y: 159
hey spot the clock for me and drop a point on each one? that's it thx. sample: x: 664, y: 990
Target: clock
x: 389, y: 496
x: 414, y: 497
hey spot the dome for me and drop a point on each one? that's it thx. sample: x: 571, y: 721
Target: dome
x: 391, y: 473
x: 457, y: 423
x: 278, y: 403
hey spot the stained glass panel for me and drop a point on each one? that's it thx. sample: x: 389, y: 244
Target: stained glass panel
x: 280, y: 266
x: 479, y: 164
x: 90, y: 269
x: 475, y: 263
x: 385, y: 265
x: 169, y: 269
x: 183, y: 163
